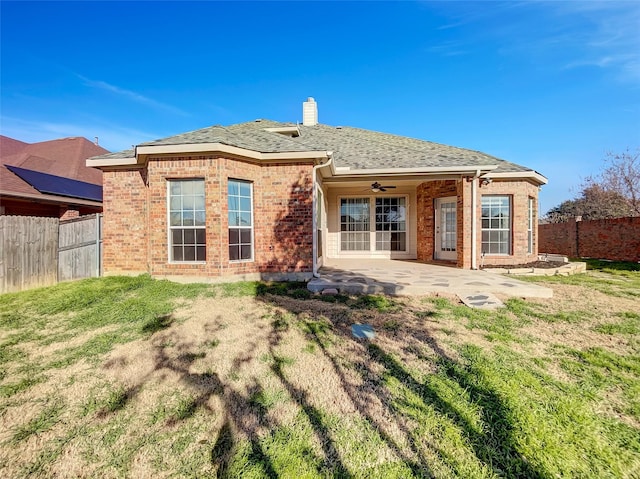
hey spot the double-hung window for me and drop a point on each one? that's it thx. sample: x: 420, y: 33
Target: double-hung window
x: 240, y: 202
x: 186, y: 220
x: 496, y: 225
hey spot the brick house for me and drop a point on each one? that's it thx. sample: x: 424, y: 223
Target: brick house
x: 49, y: 178
x: 274, y: 200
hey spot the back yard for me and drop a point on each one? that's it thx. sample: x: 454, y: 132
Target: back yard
x: 131, y: 377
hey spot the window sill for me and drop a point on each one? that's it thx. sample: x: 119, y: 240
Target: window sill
x: 236, y: 261
x: 187, y: 262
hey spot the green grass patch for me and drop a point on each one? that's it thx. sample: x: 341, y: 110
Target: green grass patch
x: 318, y: 327
x: 486, y: 409
x: 616, y: 283
x: 610, y: 266
x: 378, y: 302
x: 96, y: 302
x: 629, y: 325
x: 8, y: 390
x: 106, y: 399
x: 173, y: 408
x: 48, y: 418
x: 93, y: 349
x: 598, y: 372
x: 266, y: 399
x: 500, y: 325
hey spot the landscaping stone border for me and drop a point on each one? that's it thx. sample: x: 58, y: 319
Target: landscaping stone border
x: 564, y: 270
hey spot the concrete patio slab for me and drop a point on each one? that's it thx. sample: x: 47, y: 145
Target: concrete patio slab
x: 481, y: 301
x: 371, y: 276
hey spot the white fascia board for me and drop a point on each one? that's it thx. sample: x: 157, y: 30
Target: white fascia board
x: 232, y: 150
x: 471, y: 169
x: 142, y: 152
x: 517, y: 175
x: 99, y: 162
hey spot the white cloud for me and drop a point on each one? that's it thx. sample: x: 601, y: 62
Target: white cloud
x: 448, y: 49
x: 566, y: 34
x: 131, y: 95
x: 611, y: 38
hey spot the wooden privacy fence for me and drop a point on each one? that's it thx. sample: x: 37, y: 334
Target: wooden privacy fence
x: 79, y: 245
x: 38, y: 251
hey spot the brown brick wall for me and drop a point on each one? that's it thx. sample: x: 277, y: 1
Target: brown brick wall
x: 426, y: 193
x: 125, y: 222
x: 614, y: 239
x: 520, y: 192
x: 282, y: 203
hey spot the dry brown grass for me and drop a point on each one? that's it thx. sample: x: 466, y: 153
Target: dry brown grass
x: 251, y: 365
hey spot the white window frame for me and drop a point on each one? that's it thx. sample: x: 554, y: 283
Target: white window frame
x: 390, y: 231
x: 490, y: 228
x: 172, y: 228
x: 358, y: 232
x: 372, y: 226
x: 241, y: 227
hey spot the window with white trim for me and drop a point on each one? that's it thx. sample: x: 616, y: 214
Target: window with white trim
x: 187, y: 235
x: 391, y: 224
x: 354, y: 224
x: 530, y: 226
x: 496, y: 225
x: 240, y: 202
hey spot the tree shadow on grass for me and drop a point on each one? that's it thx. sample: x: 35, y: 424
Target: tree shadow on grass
x: 332, y: 457
x: 494, y: 444
x: 158, y: 323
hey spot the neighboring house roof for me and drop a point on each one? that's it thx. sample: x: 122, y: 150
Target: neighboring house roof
x: 58, y: 185
x: 61, y: 161
x: 352, y: 148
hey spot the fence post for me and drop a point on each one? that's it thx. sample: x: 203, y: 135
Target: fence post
x: 98, y: 245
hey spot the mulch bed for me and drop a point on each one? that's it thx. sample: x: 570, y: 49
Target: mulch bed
x: 535, y: 264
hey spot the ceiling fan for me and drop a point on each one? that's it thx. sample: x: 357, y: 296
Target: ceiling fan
x: 377, y: 187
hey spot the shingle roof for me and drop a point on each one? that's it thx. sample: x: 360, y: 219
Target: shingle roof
x: 65, y: 157
x: 355, y: 148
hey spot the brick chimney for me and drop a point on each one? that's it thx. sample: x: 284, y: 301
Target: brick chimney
x: 310, y: 112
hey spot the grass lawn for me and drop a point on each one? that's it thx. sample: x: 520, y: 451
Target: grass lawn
x: 131, y: 377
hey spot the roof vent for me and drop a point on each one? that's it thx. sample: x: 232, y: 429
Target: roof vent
x: 310, y: 112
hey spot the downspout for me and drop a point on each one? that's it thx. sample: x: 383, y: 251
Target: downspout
x: 314, y: 219
x: 474, y: 226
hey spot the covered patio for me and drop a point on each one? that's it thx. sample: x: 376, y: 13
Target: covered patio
x: 414, y: 278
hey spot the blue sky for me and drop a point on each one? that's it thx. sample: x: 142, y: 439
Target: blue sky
x: 550, y: 85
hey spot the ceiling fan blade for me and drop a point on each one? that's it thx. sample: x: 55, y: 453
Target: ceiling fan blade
x: 375, y: 187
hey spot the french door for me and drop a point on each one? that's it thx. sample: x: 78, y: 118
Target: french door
x: 373, y: 224
x: 446, y: 236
